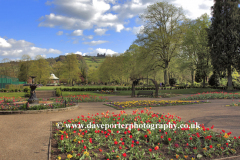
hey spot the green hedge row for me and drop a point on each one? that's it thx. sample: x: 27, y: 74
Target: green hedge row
x: 11, y: 90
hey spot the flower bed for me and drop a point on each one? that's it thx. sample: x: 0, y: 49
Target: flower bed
x: 9, y: 104
x: 139, y: 143
x: 212, y: 95
x: 149, y: 103
x: 234, y: 104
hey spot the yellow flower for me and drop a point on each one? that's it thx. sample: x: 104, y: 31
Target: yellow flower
x: 193, y: 158
x: 86, y: 153
x: 59, y: 158
x: 226, y: 135
x: 177, y: 155
x: 186, y: 156
x: 69, y: 156
x: 205, y: 149
x: 114, y: 139
x: 75, y: 140
x: 219, y: 145
x: 196, y: 128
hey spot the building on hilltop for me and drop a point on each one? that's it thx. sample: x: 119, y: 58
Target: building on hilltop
x: 101, y: 55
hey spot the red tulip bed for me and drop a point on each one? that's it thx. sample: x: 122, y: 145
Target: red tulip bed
x: 139, y: 143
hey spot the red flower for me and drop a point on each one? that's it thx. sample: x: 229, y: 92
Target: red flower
x: 121, y: 139
x: 169, y: 139
x: 130, y: 136
x: 124, y: 154
x: 90, y: 140
x: 122, y: 143
x: 100, y: 150
x: 116, y: 142
x: 120, y: 147
x: 210, y: 146
x: 132, y: 145
x: 145, y: 136
x: 156, y: 148
x: 223, y: 131
x: 190, y: 138
x: 61, y: 138
x: 187, y: 144
x: 85, y: 147
x: 227, y: 144
x: 162, y: 137
x: 137, y: 142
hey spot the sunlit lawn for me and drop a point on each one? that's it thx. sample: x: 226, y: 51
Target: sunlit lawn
x: 122, y: 93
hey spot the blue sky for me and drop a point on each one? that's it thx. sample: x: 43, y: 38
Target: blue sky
x: 87, y: 27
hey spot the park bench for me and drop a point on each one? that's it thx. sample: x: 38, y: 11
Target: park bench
x: 145, y: 93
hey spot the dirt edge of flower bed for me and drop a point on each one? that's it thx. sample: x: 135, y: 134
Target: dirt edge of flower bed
x: 40, y: 111
x: 49, y: 145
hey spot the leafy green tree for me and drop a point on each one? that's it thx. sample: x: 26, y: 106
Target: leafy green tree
x: 58, y: 68
x: 162, y: 34
x: 71, y: 69
x: 41, y: 69
x: 25, y: 66
x: 224, y: 40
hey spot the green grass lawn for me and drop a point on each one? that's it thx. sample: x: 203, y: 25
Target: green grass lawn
x: 122, y: 93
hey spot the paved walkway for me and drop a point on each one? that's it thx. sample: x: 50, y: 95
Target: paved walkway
x: 26, y: 136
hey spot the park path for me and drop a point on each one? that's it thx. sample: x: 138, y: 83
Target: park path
x: 26, y: 136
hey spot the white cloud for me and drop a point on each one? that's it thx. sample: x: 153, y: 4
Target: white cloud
x: 101, y: 51
x: 128, y: 29
x: 100, y: 31
x: 93, y: 43
x: 137, y: 30
x: 54, y: 51
x: 4, y: 43
x: 100, y: 14
x: 20, y: 47
x: 75, y: 42
x: 77, y: 33
x: 59, y: 33
x: 90, y: 37
x: 80, y: 53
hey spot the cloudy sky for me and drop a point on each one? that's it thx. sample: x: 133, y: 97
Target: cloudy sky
x: 56, y: 27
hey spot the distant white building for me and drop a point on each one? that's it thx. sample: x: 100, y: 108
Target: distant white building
x: 53, y: 79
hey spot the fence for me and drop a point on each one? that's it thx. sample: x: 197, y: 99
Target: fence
x: 5, y: 80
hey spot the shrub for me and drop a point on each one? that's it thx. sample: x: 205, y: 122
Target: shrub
x: 172, y: 81
x: 214, y: 80
x: 26, y: 89
x: 58, y: 92
x: 27, y: 94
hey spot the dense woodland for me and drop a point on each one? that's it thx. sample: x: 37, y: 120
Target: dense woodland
x: 170, y: 46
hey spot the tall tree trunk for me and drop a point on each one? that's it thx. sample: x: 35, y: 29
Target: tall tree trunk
x: 230, y: 87
x: 147, y: 79
x: 133, y: 89
x: 192, y: 74
x: 204, y: 82
x: 166, y: 73
x: 156, y: 88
